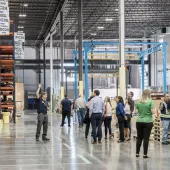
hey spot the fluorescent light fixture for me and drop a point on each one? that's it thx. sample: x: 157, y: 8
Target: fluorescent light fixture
x: 100, y: 28
x: 22, y: 22
x: 22, y: 15
x: 109, y: 19
x: 20, y: 27
x: 25, y: 5
x: 93, y: 34
x: 116, y: 9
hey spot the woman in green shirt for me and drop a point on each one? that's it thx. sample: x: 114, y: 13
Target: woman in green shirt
x: 144, y: 123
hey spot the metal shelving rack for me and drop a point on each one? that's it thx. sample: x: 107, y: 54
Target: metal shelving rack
x: 7, y: 64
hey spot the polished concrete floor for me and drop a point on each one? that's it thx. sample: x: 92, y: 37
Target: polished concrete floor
x: 69, y: 150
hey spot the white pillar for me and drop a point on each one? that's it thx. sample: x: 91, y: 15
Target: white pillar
x: 122, y: 72
x: 51, y: 68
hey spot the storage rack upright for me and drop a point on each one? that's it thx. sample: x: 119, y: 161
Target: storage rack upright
x: 7, y: 73
x: 156, y: 97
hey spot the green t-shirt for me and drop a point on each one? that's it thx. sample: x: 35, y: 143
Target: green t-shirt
x: 144, y: 111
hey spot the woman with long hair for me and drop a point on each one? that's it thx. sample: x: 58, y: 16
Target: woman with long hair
x: 144, y: 122
x: 128, y: 111
x: 121, y: 116
x: 108, y: 117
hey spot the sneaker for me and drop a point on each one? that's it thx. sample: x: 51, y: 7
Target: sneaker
x: 61, y: 126
x: 69, y: 126
x: 165, y: 143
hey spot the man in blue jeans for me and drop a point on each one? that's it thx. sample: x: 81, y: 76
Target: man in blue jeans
x: 165, y: 117
x: 96, y: 111
x: 80, y: 105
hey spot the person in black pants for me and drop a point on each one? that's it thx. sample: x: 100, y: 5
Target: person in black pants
x: 66, y: 105
x: 143, y: 131
x: 87, y: 118
x: 144, y: 122
x: 42, y: 105
x: 121, y: 116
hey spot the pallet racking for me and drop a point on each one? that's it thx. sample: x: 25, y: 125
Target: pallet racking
x: 7, y: 74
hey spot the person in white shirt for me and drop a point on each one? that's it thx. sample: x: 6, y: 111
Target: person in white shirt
x: 80, y: 105
x: 108, y: 117
x: 128, y: 110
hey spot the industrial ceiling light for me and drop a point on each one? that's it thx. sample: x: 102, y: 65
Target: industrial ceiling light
x: 25, y: 5
x: 109, y: 19
x: 22, y: 15
x: 93, y: 34
x: 21, y: 22
x: 116, y: 9
x: 100, y: 28
x: 20, y: 27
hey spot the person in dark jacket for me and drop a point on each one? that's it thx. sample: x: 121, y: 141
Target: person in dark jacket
x: 66, y: 108
x: 42, y: 114
x: 121, y: 116
x: 87, y: 120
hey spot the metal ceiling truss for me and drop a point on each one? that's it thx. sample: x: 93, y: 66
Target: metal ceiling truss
x: 140, y: 16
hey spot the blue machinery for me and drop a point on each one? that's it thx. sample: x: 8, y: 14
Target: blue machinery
x: 88, y: 46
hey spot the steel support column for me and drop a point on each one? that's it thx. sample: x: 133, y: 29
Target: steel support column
x: 44, y: 64
x: 51, y: 70
x: 122, y: 74
x: 143, y: 73
x: 80, y: 45
x: 149, y: 66
x: 75, y: 74
x: 62, y: 55
x: 66, y: 84
x: 39, y: 57
x: 92, y: 80
x: 86, y: 74
x: 164, y: 69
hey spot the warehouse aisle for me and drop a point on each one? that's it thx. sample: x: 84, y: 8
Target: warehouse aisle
x: 69, y: 150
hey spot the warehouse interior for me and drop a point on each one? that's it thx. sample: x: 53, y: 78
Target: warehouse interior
x: 74, y: 47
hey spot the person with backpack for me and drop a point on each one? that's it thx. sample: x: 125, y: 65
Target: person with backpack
x: 165, y: 118
x: 108, y: 117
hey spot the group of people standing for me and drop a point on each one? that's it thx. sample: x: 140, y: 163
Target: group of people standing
x: 96, y: 111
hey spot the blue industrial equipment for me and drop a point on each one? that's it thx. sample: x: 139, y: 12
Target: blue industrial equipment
x: 88, y: 46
